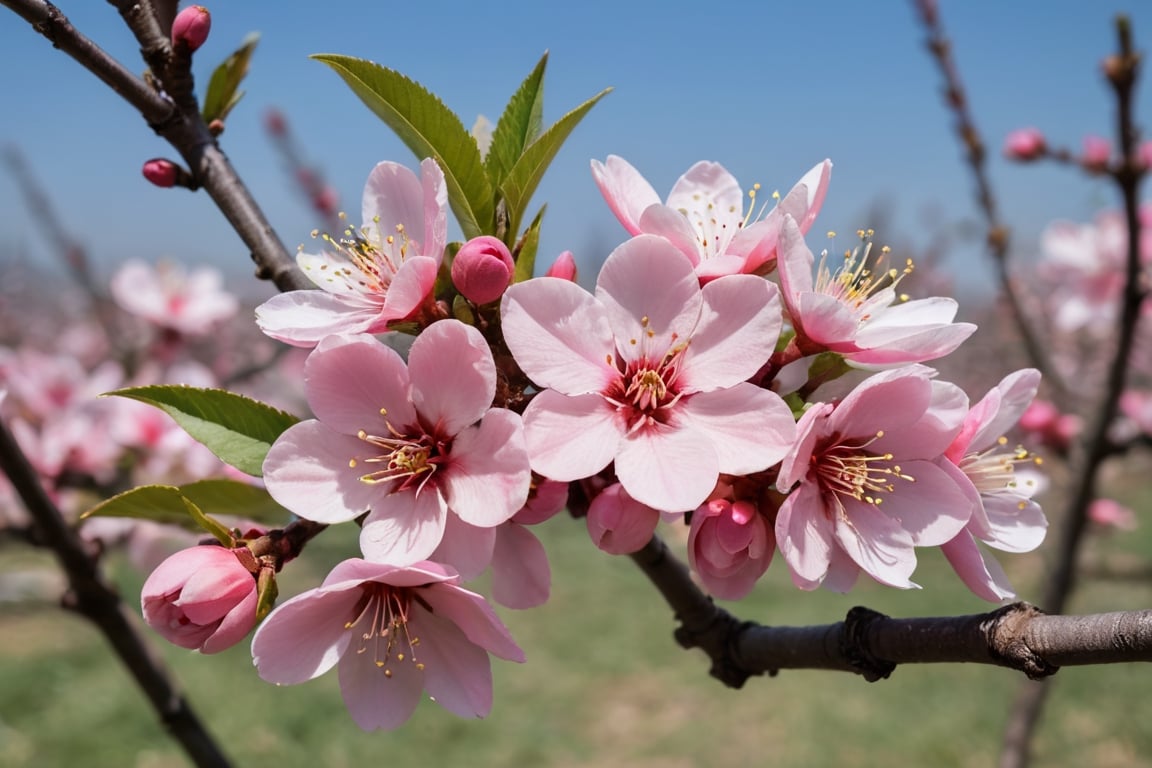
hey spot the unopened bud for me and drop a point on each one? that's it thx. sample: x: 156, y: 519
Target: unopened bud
x: 1097, y: 151
x: 1144, y: 154
x: 275, y: 123
x: 191, y: 27
x: 564, y: 267
x: 162, y: 173
x: 482, y: 269
x: 1025, y: 144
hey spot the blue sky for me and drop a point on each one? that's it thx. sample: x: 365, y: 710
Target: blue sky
x: 766, y: 88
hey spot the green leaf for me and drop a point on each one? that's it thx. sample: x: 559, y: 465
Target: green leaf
x: 212, y: 525
x: 237, y: 429
x: 526, y: 257
x: 236, y: 498
x: 525, y: 175
x: 429, y: 129
x: 518, y: 126
x: 223, y: 91
x: 168, y: 504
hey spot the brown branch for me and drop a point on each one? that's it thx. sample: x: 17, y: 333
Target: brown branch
x: 1016, y: 636
x: 956, y: 100
x: 180, y: 124
x: 90, y: 596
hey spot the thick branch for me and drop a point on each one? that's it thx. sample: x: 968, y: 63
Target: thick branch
x: 1016, y: 636
x: 96, y: 601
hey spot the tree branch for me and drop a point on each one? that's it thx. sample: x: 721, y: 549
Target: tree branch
x: 182, y: 127
x: 90, y: 596
x: 1016, y: 636
x: 975, y: 153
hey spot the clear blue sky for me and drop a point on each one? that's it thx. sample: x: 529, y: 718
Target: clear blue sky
x: 766, y: 88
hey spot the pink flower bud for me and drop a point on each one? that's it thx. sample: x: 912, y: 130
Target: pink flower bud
x: 161, y: 172
x: 1025, y: 144
x: 618, y: 524
x: 1109, y: 513
x: 1097, y: 151
x: 482, y: 269
x: 326, y: 201
x: 564, y: 267
x: 730, y: 546
x: 201, y: 598
x: 191, y: 27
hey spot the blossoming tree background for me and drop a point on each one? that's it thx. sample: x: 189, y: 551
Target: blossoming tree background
x: 715, y: 374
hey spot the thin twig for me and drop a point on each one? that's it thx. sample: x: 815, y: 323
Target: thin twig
x: 998, y: 237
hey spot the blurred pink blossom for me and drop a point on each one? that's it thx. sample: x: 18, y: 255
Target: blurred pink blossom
x: 169, y: 297
x: 1108, y: 513
x: 1025, y: 144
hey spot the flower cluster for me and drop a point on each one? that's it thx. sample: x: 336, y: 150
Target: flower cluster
x: 718, y: 374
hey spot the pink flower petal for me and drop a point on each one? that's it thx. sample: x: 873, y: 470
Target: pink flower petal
x: 435, y: 216
x: 983, y: 575
x: 618, y: 524
x: 521, y: 577
x: 307, y: 471
x: 625, y: 190
x: 465, y: 547
x: 453, y: 377
x: 476, y: 619
x: 304, y: 637
x: 488, y: 477
x: 411, y: 285
x: 736, y: 333
x: 1016, y: 392
x: 804, y: 536
x: 392, y: 195
x: 878, y: 544
x: 671, y: 225
x: 404, y: 527
x: 672, y: 470
x: 795, y: 262
x: 303, y: 318
x: 457, y: 673
x: 237, y: 623
x: 376, y: 701
x: 350, y: 379
x: 749, y: 428
x: 559, y: 334
x: 651, y: 295
x: 570, y: 438
x: 932, y: 508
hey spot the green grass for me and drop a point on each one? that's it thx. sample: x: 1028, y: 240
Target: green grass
x: 605, y: 685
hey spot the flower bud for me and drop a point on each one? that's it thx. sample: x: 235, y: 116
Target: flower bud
x: 564, y: 267
x: 201, y: 598
x: 275, y: 122
x: 1025, y: 144
x: 729, y: 546
x: 1097, y: 151
x: 482, y: 269
x: 618, y: 524
x: 1144, y: 154
x: 191, y: 27
x: 161, y: 172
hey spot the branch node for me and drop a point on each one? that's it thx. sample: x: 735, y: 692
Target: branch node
x: 719, y: 638
x: 854, y: 645
x: 1007, y: 643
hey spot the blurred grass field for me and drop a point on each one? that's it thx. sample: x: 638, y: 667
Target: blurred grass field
x: 605, y: 685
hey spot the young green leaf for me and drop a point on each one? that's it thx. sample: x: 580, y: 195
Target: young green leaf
x: 529, y: 243
x: 429, y: 129
x: 223, y: 91
x: 166, y: 503
x: 218, y: 530
x: 238, y: 429
x: 525, y: 175
x: 518, y: 126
